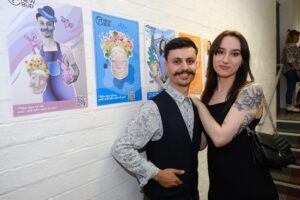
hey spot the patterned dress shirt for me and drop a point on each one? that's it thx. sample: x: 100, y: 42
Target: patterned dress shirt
x: 146, y: 126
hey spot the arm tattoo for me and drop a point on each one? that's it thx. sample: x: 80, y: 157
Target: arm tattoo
x: 249, y: 98
x: 248, y: 119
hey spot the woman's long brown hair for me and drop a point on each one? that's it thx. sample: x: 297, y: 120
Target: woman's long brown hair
x: 241, y: 75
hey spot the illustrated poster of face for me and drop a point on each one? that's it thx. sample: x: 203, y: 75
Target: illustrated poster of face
x: 155, y: 41
x: 117, y: 59
x: 46, y: 56
x: 196, y: 86
x: 206, y: 48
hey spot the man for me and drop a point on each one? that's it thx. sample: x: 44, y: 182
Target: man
x: 63, y: 70
x: 168, y: 128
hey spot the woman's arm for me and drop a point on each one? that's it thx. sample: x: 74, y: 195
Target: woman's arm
x: 242, y: 112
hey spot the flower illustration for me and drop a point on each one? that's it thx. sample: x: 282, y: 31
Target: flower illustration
x: 38, y: 73
x: 36, y: 64
x: 116, y: 39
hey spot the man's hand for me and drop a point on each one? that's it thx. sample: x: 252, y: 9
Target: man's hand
x: 167, y: 177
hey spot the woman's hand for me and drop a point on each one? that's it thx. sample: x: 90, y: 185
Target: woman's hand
x: 196, y: 100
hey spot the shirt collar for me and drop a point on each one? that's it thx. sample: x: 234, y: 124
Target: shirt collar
x: 177, y: 96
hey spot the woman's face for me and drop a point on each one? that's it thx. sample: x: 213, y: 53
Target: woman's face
x: 208, y: 46
x: 162, y: 45
x: 228, y: 57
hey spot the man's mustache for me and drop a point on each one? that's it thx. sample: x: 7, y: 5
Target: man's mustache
x: 184, y: 71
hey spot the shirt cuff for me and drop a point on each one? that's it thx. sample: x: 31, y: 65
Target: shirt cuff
x: 153, y: 170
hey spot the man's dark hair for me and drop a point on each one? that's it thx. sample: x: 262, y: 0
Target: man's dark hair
x: 178, y: 43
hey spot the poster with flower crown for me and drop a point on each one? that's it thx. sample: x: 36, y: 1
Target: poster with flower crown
x: 155, y: 41
x: 117, y: 59
x: 46, y: 56
x: 196, y: 86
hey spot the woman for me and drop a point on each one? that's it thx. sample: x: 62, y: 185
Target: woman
x: 161, y: 59
x: 290, y: 59
x: 228, y: 105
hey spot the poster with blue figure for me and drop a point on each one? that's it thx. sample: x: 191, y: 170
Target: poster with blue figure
x: 155, y: 41
x: 46, y: 54
x: 117, y: 58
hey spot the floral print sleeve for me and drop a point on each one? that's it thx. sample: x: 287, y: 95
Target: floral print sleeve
x: 291, y: 54
x: 145, y: 126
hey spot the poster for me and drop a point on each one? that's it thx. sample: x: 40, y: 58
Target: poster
x: 46, y: 56
x: 196, y: 86
x: 117, y: 59
x: 206, y: 48
x: 155, y: 41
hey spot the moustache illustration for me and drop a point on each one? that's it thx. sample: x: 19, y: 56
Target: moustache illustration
x: 185, y: 71
x: 48, y: 30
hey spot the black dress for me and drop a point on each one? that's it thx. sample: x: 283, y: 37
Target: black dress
x: 231, y: 173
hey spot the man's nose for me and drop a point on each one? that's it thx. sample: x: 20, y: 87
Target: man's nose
x: 185, y: 65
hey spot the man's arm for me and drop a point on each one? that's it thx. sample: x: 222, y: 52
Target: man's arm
x: 145, y: 126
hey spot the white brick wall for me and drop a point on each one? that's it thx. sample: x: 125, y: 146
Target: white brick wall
x: 66, y: 155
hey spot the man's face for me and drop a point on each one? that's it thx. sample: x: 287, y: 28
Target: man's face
x: 46, y: 27
x: 181, y: 66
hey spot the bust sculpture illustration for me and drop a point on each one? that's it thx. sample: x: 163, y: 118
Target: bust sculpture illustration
x: 117, y: 48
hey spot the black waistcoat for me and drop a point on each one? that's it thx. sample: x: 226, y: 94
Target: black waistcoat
x: 174, y: 150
